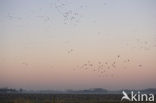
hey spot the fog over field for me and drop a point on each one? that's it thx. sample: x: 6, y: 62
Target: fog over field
x: 77, y: 44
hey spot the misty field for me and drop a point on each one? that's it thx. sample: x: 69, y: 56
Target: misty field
x: 61, y: 98
x: 58, y: 98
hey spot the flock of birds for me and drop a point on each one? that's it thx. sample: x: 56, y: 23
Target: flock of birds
x: 70, y: 51
x: 69, y: 15
x: 142, y: 44
x: 145, y: 45
x: 73, y: 16
x: 102, y: 68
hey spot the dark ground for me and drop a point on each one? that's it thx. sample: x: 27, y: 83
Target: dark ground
x: 62, y: 98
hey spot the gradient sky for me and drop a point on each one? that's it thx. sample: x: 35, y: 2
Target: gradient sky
x: 45, y: 44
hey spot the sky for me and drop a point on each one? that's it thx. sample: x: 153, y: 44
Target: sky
x: 78, y: 44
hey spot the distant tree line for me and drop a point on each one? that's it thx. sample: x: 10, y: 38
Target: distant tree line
x: 10, y: 90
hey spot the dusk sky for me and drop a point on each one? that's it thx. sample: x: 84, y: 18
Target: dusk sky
x: 78, y: 44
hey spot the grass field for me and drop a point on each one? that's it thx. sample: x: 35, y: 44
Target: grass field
x: 61, y: 98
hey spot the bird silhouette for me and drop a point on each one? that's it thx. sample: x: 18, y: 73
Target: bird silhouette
x: 140, y: 65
